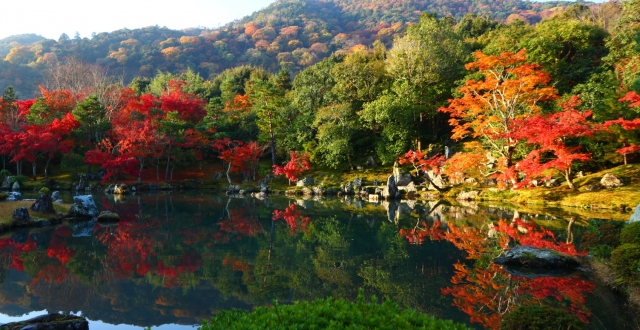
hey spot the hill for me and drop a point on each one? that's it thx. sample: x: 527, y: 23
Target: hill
x: 288, y: 33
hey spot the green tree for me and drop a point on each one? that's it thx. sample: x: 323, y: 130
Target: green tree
x: 93, y: 123
x: 424, y: 65
x: 268, y: 103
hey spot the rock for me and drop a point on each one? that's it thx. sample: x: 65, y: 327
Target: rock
x: 14, y: 196
x: 55, y: 195
x: 109, y: 189
x: 305, y: 182
x: 610, y: 181
x: 21, y: 215
x: 50, y: 322
x: 120, y: 189
x: 217, y: 176
x: 347, y: 188
x: 490, y: 182
x: 411, y: 188
x: 8, y: 181
x: 358, y: 182
x: 552, y: 183
x: 82, y: 183
x: 15, y: 186
x: 370, y: 162
x: 319, y: 191
x: 403, y: 180
x: 83, y: 207
x: 306, y: 191
x: 44, y: 204
x: 468, y: 195
x: 636, y: 214
x: 374, y: 198
x: 108, y: 217
x: 59, y: 201
x: 391, y: 190
x: 259, y: 195
x: 594, y: 187
x: 470, y: 181
x: 532, y: 257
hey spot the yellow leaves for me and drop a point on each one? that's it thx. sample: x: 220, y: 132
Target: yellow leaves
x: 171, y: 53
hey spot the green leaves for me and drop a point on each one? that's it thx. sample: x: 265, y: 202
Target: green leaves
x: 329, y: 313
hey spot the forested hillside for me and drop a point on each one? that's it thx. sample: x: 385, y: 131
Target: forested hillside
x: 289, y: 33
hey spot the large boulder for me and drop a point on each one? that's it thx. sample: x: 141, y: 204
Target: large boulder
x: 44, y: 204
x: 55, y: 195
x: 403, y: 179
x: 21, y: 215
x: 8, y: 181
x: 83, y: 207
x: 305, y: 182
x: 610, y: 181
x: 529, y: 256
x: 15, y: 186
x: 50, y: 322
x: 391, y: 190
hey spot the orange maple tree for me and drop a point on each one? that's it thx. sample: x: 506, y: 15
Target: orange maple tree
x: 510, y: 89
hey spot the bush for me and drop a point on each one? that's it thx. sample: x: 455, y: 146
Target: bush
x: 3, y: 196
x: 44, y: 191
x: 19, y: 178
x: 328, y: 313
x: 624, y: 261
x: 540, y: 318
x: 630, y: 234
x: 4, y: 174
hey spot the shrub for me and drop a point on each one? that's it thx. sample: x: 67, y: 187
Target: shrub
x: 3, y: 196
x: 329, y: 313
x: 540, y: 318
x: 630, y: 234
x: 44, y: 191
x: 19, y: 178
x: 4, y: 174
x: 624, y: 261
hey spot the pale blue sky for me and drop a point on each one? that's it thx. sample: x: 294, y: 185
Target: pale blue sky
x: 51, y: 18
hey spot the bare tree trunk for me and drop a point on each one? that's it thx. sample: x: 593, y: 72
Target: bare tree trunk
x: 567, y: 176
x: 228, y: 176
x: 33, y: 169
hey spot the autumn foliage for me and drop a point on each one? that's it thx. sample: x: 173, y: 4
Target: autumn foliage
x: 297, y: 164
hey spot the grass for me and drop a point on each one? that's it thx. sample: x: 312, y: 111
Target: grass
x: 627, y: 196
x: 7, y: 208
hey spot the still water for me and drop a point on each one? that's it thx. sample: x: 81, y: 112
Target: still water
x: 174, y: 260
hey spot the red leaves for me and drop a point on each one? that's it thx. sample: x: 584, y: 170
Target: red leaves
x: 298, y: 164
x: 419, y: 161
x: 293, y: 218
x: 550, y: 132
x: 527, y: 233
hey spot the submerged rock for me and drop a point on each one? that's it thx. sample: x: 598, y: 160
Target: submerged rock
x: 108, y: 217
x: 529, y: 256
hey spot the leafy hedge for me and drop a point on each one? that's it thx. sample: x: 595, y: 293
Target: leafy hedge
x: 329, y: 314
x: 540, y: 318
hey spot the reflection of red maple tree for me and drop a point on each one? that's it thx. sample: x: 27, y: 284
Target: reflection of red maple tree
x: 237, y: 225
x: 235, y: 265
x: 486, y: 294
x: 294, y: 219
x: 421, y: 232
x: 527, y: 233
x: 16, y: 251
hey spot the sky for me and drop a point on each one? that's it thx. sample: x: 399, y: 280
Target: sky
x: 51, y: 18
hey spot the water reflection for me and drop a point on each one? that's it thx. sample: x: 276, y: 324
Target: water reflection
x: 179, y: 259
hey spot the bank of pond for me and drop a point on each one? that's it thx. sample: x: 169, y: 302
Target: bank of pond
x: 179, y: 259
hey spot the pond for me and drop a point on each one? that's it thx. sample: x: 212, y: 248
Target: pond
x: 176, y: 259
